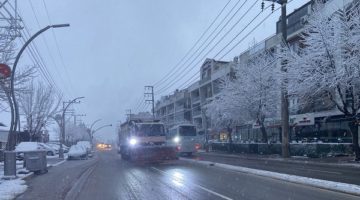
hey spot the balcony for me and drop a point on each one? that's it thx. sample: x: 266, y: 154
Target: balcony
x: 196, y: 113
x: 195, y: 99
x: 205, y: 80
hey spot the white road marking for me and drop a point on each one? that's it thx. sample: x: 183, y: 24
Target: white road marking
x: 196, y: 185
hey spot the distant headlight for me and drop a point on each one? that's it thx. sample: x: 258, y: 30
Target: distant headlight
x: 176, y: 139
x: 133, y: 141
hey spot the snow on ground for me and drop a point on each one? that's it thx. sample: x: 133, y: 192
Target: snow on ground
x: 330, y: 185
x: 9, y: 189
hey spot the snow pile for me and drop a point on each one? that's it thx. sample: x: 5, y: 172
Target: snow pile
x: 330, y: 185
x: 11, y: 188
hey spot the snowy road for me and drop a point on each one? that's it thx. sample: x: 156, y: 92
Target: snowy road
x: 109, y: 177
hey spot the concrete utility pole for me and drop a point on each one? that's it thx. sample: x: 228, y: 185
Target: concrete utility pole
x: 284, y: 93
x: 149, y: 92
x: 66, y: 105
x: 128, y: 114
x: 77, y: 115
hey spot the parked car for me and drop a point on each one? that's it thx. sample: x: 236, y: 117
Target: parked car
x: 57, y: 147
x: 33, y: 146
x: 77, y: 152
x: 85, y: 144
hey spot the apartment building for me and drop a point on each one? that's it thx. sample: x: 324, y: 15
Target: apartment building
x: 187, y: 106
x: 174, y: 109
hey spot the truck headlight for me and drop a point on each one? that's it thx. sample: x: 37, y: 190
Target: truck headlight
x: 176, y: 139
x: 133, y: 141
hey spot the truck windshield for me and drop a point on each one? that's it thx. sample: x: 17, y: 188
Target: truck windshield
x: 150, y: 130
x: 187, y: 131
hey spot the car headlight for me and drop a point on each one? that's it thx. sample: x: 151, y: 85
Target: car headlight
x: 133, y: 141
x: 176, y: 139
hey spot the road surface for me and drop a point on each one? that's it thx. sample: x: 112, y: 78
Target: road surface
x: 344, y: 174
x: 109, y: 177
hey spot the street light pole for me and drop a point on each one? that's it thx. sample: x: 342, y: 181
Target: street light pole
x: 101, y: 127
x: 96, y: 121
x: 90, y: 131
x: 62, y: 138
x: 15, y: 110
x: 284, y: 94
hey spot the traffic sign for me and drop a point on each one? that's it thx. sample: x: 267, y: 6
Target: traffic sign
x: 5, y: 70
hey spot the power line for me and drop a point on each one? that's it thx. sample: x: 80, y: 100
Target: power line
x: 234, y: 39
x: 37, y: 56
x: 47, y: 46
x: 196, y: 43
x: 234, y: 46
x: 207, y: 53
x: 161, y: 90
x: 57, y: 46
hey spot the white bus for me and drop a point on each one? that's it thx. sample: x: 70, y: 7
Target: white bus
x: 185, y: 138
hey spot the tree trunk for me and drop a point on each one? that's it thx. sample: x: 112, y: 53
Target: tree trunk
x: 355, y: 139
x: 264, y: 133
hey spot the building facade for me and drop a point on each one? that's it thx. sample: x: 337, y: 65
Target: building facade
x: 316, y: 121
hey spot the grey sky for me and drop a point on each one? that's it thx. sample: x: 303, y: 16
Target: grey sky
x: 115, y: 47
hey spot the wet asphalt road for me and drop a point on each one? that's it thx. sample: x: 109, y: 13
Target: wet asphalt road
x: 109, y: 177
x: 113, y: 178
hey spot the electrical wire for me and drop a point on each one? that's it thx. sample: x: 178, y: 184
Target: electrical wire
x: 171, y: 72
x: 197, y: 53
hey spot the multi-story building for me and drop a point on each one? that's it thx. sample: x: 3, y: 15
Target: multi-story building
x: 174, y: 109
x: 187, y: 106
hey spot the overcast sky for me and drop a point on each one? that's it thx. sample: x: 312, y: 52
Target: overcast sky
x: 114, y: 48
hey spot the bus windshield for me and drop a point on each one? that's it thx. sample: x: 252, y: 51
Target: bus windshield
x: 150, y: 130
x: 187, y: 131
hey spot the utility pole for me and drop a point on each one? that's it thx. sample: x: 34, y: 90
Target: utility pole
x: 66, y: 105
x: 149, y: 93
x: 284, y: 94
x: 128, y: 114
x: 77, y: 115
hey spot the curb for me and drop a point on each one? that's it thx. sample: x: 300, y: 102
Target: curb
x: 318, y: 183
x: 354, y: 165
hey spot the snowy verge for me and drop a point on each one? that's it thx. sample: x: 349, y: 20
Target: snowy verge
x: 328, y: 185
x: 11, y: 188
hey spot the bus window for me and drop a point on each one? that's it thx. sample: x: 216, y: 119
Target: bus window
x: 187, y: 131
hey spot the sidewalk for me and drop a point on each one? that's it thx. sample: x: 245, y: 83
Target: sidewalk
x: 335, y: 161
x: 338, y: 169
x: 9, y: 189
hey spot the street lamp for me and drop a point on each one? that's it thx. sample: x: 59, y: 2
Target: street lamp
x: 94, y: 123
x: 90, y: 130
x: 62, y: 138
x: 101, y: 127
x: 15, y: 110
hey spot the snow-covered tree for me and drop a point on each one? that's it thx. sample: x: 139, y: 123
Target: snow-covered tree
x: 76, y: 132
x: 38, y: 104
x: 327, y: 63
x: 252, y: 95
